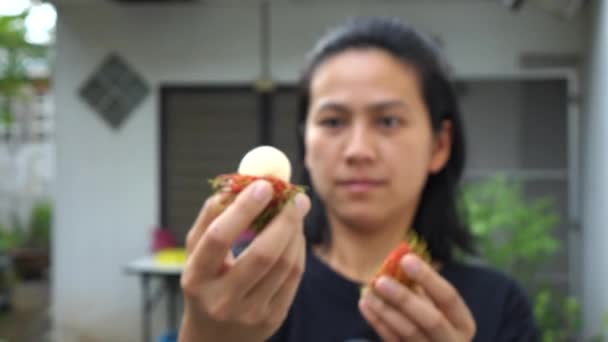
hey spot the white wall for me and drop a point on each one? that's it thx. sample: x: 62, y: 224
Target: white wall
x: 480, y: 37
x: 595, y: 215
x: 107, y: 181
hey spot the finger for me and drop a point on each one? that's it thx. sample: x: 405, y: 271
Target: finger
x: 261, y: 294
x: 210, y: 251
x: 259, y: 257
x: 441, y: 292
x: 254, y: 299
x: 423, y: 314
x: 419, y: 290
x: 374, y: 320
x: 281, y: 301
x: 400, y: 324
x: 211, y: 209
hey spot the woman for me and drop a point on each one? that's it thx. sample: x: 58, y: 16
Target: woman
x: 383, y: 148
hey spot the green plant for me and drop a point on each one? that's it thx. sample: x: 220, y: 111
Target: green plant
x: 512, y: 231
x: 26, y: 246
x: 517, y: 235
x: 8, y: 239
x: 558, y: 315
x: 40, y: 225
x: 17, y: 52
x: 12, y: 237
x: 36, y: 234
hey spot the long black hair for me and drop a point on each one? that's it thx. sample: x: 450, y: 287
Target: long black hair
x: 437, y: 220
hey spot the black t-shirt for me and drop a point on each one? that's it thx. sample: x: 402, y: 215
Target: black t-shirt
x: 326, y: 306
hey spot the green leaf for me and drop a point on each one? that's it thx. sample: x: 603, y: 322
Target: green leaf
x: 6, y: 118
x: 16, y: 52
x: 516, y: 234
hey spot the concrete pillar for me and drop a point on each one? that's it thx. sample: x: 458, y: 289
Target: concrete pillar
x: 595, y: 195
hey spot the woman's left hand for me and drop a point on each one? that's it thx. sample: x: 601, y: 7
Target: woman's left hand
x: 435, y: 313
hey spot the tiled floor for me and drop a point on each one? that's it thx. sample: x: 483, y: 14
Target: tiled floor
x: 29, y: 320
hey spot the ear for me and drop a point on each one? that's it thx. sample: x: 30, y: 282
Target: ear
x: 442, y: 147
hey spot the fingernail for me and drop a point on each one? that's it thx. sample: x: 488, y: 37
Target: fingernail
x: 302, y: 203
x: 410, y: 264
x: 261, y: 190
x: 387, y: 285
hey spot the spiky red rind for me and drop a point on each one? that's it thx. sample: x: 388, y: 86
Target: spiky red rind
x: 391, y: 265
x: 234, y: 183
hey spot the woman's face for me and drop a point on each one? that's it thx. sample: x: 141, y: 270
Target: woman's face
x: 369, y: 141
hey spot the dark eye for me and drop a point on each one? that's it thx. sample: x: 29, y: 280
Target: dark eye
x: 332, y: 122
x: 390, y: 121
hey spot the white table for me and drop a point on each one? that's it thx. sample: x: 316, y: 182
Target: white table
x: 147, y: 268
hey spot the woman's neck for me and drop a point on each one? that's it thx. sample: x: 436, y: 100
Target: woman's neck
x: 357, y: 253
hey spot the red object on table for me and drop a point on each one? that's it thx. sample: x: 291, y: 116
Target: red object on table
x: 163, y: 239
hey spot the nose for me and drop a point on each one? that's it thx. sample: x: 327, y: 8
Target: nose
x: 360, y: 146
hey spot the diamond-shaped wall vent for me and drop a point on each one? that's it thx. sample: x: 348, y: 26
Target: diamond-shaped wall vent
x: 114, y: 90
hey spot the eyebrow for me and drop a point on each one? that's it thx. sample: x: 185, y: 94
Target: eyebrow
x: 333, y: 106
x: 374, y: 107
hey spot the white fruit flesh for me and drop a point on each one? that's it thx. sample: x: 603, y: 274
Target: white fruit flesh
x: 266, y: 161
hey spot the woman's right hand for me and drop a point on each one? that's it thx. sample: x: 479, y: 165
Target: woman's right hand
x: 244, y: 298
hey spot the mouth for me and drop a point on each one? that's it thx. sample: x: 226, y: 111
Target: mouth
x: 360, y: 185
